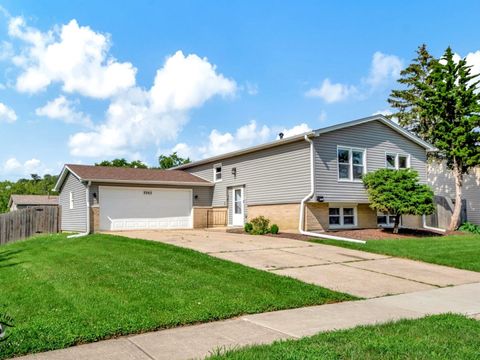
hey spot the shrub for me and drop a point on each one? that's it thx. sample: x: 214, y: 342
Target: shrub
x: 467, y: 226
x: 260, y: 225
x: 248, y: 227
x: 274, y: 229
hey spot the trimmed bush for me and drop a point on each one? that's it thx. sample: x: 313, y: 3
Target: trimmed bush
x: 248, y: 227
x: 274, y: 229
x: 260, y: 225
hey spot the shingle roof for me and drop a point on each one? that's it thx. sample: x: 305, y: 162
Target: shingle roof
x: 34, y: 199
x: 128, y: 175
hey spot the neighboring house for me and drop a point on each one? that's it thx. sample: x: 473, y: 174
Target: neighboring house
x: 18, y: 202
x: 272, y: 179
x: 442, y: 181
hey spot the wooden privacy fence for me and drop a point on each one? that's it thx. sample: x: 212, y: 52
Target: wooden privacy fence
x: 216, y: 217
x: 21, y: 224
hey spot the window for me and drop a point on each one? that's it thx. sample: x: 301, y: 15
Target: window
x: 71, y: 200
x: 217, y: 172
x: 385, y: 219
x: 351, y: 164
x: 238, y: 201
x: 342, y: 217
x: 397, y: 161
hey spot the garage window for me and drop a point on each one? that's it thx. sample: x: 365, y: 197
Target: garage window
x: 217, y: 172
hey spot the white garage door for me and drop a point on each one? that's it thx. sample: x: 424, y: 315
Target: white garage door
x: 145, y: 208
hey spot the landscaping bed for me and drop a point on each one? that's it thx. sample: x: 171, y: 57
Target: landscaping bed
x: 61, y: 292
x: 434, y: 337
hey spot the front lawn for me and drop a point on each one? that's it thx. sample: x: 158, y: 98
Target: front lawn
x: 434, y: 337
x: 62, y: 292
x: 460, y: 251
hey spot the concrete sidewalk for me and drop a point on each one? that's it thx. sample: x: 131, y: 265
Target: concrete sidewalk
x: 198, y: 341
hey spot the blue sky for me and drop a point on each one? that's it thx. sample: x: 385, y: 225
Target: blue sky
x: 83, y: 81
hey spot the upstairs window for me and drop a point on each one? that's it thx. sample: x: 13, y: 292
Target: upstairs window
x: 351, y: 164
x: 397, y: 161
x: 217, y: 172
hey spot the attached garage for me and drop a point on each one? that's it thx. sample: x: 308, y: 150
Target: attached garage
x: 99, y: 198
x: 125, y: 208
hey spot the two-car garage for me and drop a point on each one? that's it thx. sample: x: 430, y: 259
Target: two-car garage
x: 124, y: 208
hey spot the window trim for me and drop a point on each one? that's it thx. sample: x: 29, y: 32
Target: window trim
x: 215, y: 166
x: 71, y: 201
x: 397, y: 161
x: 341, y: 216
x: 350, y: 163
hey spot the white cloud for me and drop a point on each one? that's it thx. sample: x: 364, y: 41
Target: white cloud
x: 140, y: 117
x: 473, y: 59
x: 296, y: 130
x: 73, y: 55
x: 6, y: 50
x: 13, y: 167
x: 63, y: 109
x: 323, y: 116
x: 384, y: 68
x: 332, y: 92
x: 7, y: 114
x: 251, y: 88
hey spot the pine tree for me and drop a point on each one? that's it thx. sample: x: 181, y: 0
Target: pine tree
x: 451, y: 102
x: 406, y: 99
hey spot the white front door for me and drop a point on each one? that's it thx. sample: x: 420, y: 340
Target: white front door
x: 238, y: 207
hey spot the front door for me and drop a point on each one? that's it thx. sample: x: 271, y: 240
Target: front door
x: 238, y: 207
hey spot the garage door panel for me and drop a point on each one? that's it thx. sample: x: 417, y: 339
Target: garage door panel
x: 145, y: 208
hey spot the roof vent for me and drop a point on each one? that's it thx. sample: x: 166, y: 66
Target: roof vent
x: 281, y: 135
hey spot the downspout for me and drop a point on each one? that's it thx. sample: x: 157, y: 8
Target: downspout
x: 425, y: 226
x: 87, y: 197
x: 309, y: 196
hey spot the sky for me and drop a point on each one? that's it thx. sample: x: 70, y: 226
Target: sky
x: 85, y: 81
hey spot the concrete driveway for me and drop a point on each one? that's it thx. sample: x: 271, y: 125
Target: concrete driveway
x: 354, y: 272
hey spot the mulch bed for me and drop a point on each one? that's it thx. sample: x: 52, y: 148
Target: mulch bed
x: 361, y: 234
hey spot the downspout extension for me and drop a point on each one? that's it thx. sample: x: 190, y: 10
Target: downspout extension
x: 425, y: 226
x: 87, y: 197
x: 301, y: 221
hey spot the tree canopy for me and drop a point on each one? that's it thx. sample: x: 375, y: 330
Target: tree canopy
x: 123, y: 163
x: 398, y: 192
x: 169, y: 161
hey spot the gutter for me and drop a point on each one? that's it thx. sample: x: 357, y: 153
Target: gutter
x: 301, y: 221
x: 87, y: 231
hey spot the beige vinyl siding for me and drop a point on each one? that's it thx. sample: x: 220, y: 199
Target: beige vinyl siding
x: 73, y: 219
x: 377, y: 138
x: 202, y: 195
x: 275, y: 175
x: 442, y: 182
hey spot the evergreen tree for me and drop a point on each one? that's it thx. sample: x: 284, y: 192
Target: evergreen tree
x: 451, y: 103
x: 405, y: 100
x: 398, y: 192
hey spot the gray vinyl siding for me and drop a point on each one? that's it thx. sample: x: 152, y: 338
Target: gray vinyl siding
x: 442, y: 182
x: 202, y: 195
x: 73, y: 219
x: 377, y: 138
x: 275, y: 175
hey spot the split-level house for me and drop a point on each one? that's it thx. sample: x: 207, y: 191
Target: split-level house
x: 312, y: 181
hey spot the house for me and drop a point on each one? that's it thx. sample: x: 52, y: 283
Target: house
x: 312, y: 179
x: 18, y: 202
x: 443, y: 184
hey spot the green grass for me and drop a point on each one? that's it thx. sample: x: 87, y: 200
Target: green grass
x: 435, y: 337
x: 460, y: 251
x: 62, y: 292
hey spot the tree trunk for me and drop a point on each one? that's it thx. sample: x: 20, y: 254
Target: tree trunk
x: 396, y: 226
x: 455, y: 220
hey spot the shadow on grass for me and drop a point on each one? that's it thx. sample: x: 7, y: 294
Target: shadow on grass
x: 7, y: 256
